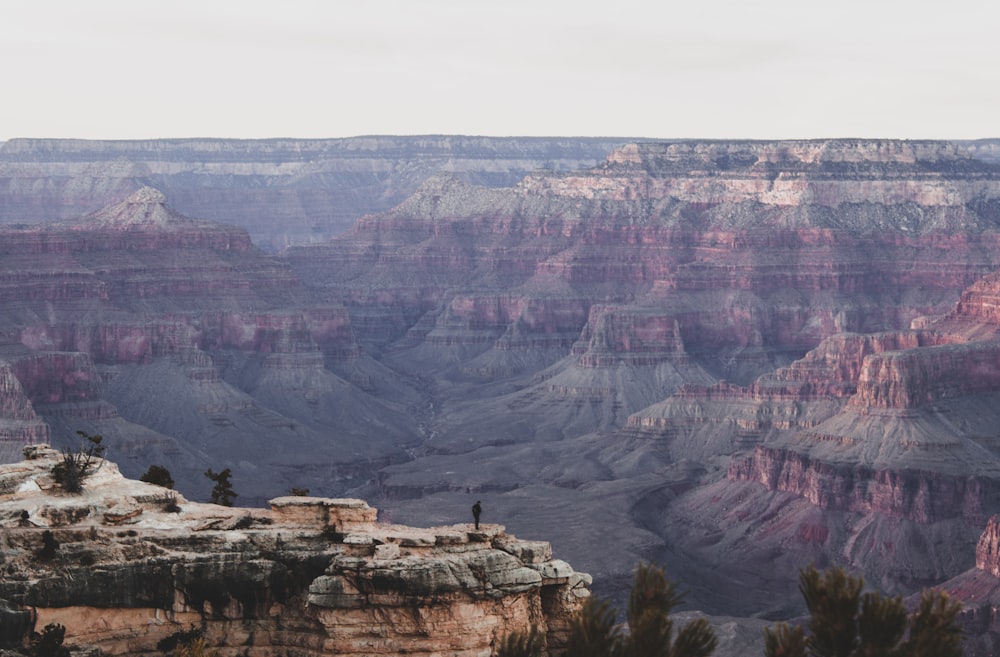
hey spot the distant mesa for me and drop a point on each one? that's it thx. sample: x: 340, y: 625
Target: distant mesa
x: 145, y: 209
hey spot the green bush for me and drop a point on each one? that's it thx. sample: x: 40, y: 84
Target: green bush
x: 75, y: 466
x: 158, y: 476
x: 594, y: 632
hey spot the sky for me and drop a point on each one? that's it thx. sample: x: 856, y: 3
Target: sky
x: 761, y: 69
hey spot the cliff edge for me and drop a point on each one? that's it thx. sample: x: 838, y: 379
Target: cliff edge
x: 131, y: 574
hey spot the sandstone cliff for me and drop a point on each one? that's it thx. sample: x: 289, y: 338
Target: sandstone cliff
x: 311, y: 576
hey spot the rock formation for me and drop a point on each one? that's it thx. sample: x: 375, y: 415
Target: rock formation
x: 281, y: 191
x: 135, y: 303
x: 872, y: 450
x: 134, y: 576
x: 742, y: 356
x: 696, y: 301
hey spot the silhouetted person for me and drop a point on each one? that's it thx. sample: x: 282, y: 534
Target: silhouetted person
x: 476, y: 510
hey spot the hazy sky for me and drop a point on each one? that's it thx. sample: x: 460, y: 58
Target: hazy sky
x: 659, y: 68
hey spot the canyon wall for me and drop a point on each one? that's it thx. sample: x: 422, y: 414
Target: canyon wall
x: 712, y: 335
x: 179, y: 341
x: 282, y: 191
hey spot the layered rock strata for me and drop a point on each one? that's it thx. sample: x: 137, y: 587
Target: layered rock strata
x: 311, y: 575
x: 873, y: 450
x: 282, y: 191
x: 749, y: 247
x: 583, y: 337
x: 135, y: 303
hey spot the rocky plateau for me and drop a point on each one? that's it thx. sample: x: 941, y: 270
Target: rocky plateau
x: 738, y: 358
x: 308, y: 576
x: 281, y: 191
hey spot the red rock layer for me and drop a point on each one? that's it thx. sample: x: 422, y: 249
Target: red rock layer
x: 921, y: 496
x: 630, y: 336
x: 988, y: 548
x: 916, y: 377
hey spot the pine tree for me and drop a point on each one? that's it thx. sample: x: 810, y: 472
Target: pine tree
x: 652, y: 599
x: 846, y: 623
x: 222, y: 492
x: 594, y: 632
x: 158, y: 476
x: 75, y: 466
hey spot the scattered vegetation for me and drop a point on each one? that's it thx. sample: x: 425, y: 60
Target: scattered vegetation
x: 299, y: 492
x: 194, y: 648
x: 76, y: 466
x: 49, y: 643
x: 49, y: 546
x: 172, y: 642
x: 222, y: 492
x: 245, y: 522
x: 843, y: 623
x: 846, y: 623
x: 170, y: 504
x: 594, y: 632
x: 158, y: 476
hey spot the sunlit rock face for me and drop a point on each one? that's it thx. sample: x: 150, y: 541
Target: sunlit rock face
x: 311, y: 575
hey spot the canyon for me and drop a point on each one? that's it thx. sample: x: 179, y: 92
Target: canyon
x: 732, y: 358
x: 282, y: 191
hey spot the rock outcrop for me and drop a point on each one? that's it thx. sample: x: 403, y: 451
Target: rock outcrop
x: 988, y: 549
x: 133, y: 575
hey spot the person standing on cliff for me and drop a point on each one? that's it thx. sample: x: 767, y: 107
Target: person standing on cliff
x: 476, y: 510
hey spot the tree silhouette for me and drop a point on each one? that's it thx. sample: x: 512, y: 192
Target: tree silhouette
x: 846, y: 623
x: 75, y: 466
x: 222, y: 492
x: 594, y: 633
x: 158, y: 476
x: 49, y: 546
